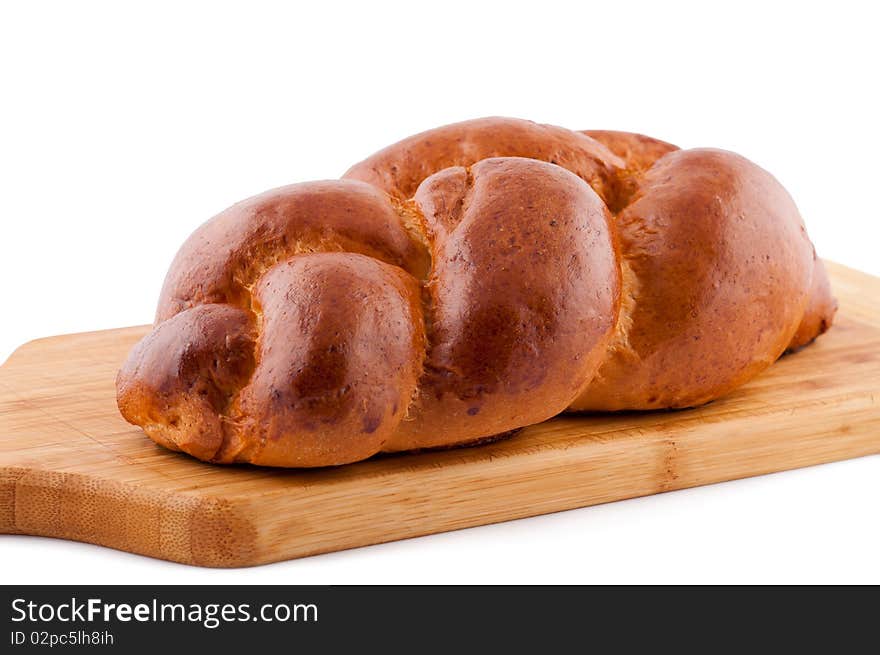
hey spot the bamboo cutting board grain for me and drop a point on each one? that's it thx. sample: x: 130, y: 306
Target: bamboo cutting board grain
x: 70, y: 466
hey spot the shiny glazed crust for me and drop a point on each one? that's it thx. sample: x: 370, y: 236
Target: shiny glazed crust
x: 467, y: 282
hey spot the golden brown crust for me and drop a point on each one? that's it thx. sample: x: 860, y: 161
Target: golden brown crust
x: 639, y: 152
x: 399, y: 169
x: 721, y: 270
x: 225, y: 257
x: 336, y: 325
x: 340, y: 352
x: 469, y: 281
x: 178, y: 380
x: 820, y: 310
x: 523, y: 295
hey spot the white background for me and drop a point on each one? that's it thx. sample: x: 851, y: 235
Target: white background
x: 123, y: 128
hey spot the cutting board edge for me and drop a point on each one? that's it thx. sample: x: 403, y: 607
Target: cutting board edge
x: 208, y: 531
x: 221, y: 516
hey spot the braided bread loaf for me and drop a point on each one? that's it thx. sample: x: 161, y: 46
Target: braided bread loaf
x: 466, y: 282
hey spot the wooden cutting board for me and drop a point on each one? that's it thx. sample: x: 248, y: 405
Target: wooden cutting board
x: 70, y: 467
